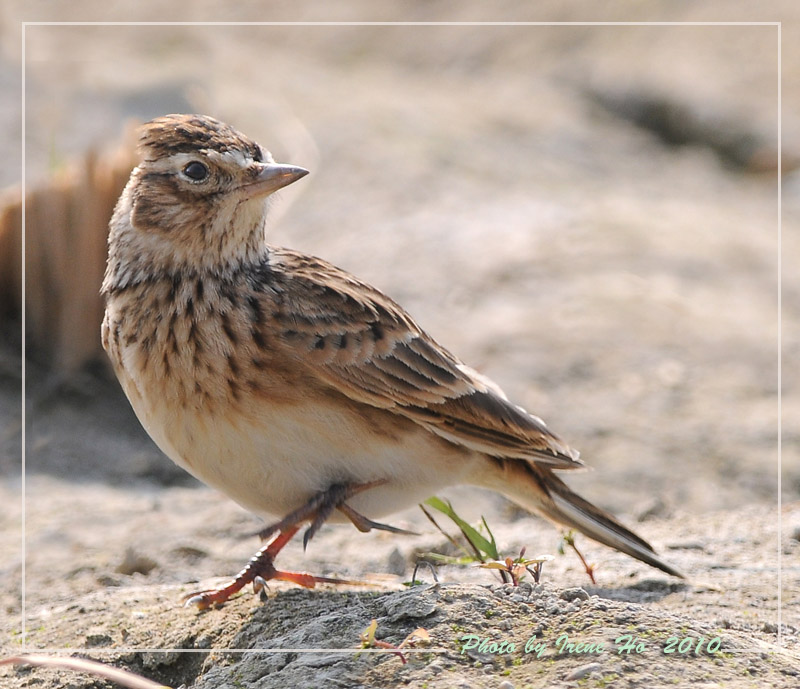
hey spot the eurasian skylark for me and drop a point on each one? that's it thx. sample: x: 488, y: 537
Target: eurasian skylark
x: 288, y: 384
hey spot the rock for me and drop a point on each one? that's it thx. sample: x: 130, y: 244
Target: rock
x: 95, y: 640
x: 574, y: 594
x: 583, y: 671
x: 417, y: 602
x: 396, y: 563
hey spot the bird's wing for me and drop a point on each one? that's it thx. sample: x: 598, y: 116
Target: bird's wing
x: 360, y: 342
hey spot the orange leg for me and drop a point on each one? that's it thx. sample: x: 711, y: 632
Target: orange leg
x: 260, y: 568
x: 260, y: 565
x: 258, y: 571
x: 318, y: 509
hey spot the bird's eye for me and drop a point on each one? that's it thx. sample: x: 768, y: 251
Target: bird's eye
x: 196, y: 171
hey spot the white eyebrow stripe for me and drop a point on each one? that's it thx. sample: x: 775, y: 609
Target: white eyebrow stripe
x: 178, y: 161
x: 231, y: 156
x: 172, y: 162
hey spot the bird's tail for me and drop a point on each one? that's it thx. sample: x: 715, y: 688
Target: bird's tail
x: 540, y: 490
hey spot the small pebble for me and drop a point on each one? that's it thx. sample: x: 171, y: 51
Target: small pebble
x: 95, y: 640
x: 134, y: 562
x: 505, y: 684
x: 583, y: 671
x: 190, y: 553
x: 574, y: 594
x: 686, y: 545
x: 436, y: 667
x: 651, y: 509
x: 108, y: 580
x: 396, y: 563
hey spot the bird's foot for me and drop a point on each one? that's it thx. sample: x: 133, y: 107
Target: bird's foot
x: 261, y: 569
x: 258, y: 571
x: 363, y: 524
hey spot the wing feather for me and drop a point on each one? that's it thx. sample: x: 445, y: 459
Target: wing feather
x: 359, y: 342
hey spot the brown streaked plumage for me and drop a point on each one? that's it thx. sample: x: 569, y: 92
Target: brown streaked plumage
x: 288, y: 383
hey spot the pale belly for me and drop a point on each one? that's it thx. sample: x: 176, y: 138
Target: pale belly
x: 274, y: 458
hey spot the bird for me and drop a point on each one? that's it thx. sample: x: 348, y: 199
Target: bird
x: 290, y: 385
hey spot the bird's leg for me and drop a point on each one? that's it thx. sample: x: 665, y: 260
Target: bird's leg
x: 260, y: 565
x: 261, y: 569
x: 334, y: 499
x: 307, y: 512
x: 319, y: 508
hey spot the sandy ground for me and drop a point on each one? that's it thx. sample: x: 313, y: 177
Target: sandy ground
x: 519, y: 190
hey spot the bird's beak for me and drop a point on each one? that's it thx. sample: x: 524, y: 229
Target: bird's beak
x: 273, y: 176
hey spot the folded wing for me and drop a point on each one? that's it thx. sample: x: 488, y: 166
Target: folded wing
x: 361, y: 343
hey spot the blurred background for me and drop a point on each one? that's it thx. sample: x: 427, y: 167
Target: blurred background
x: 587, y: 214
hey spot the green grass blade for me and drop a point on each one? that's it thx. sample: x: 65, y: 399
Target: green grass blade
x: 485, y: 548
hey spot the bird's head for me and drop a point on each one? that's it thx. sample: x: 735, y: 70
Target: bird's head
x: 198, y: 198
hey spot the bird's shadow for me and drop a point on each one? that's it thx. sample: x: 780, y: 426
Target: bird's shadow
x: 644, y: 591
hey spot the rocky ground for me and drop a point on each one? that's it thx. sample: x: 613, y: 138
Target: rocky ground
x: 586, y: 214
